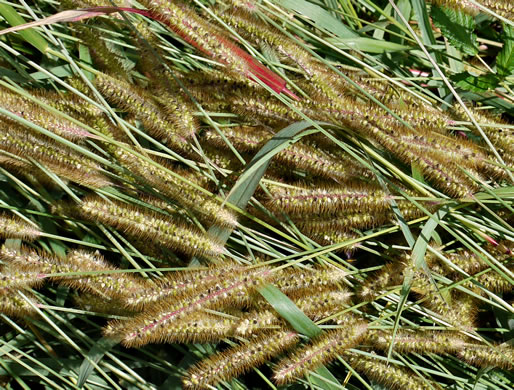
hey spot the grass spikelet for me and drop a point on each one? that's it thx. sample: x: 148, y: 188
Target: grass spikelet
x: 501, y: 7
x: 140, y: 103
x: 460, y: 312
x: 106, y: 58
x: 12, y: 304
x: 14, y: 279
x: 329, y: 201
x: 251, y: 105
x: 321, y: 351
x: 32, y: 112
x: 207, y: 38
x: 342, y: 223
x: 389, y: 275
x: 336, y: 237
x: 109, y: 284
x: 101, y: 304
x: 459, y: 5
x: 500, y: 135
x: 144, y: 223
x: 301, y: 155
x: 61, y: 160
x: 179, y: 112
x: 14, y: 227
x: 466, y: 260
x: 257, y: 322
x: 149, y: 326
x: 485, y: 356
x: 294, y: 280
x: 116, y: 286
x: 493, y: 281
x: 314, y: 305
x: 419, y: 342
x: 197, y: 327
x: 237, y: 360
x: 223, y: 158
x: 186, y: 283
x: 445, y: 175
x: 68, y: 103
x: 206, y: 208
x: 387, y: 374
x: 260, y: 32
x: 27, y: 259
x: 324, y: 304
x: 445, y: 148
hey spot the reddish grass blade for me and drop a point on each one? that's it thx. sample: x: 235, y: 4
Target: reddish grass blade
x: 268, y: 77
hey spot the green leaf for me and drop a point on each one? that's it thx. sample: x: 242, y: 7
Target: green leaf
x: 247, y: 183
x: 31, y: 36
x: 489, y: 99
x: 420, y: 248
x: 472, y: 83
x: 94, y: 355
x: 289, y: 311
x: 321, y: 18
x: 505, y: 59
x: 417, y: 173
x: 249, y: 180
x: 404, y: 294
x: 418, y: 258
x: 325, y: 373
x: 420, y: 9
x: 301, y: 323
x: 458, y: 27
x: 368, y: 45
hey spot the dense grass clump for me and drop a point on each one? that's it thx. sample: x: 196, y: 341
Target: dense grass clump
x: 252, y: 194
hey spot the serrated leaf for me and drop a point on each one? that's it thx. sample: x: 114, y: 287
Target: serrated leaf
x: 505, y: 58
x: 457, y: 27
x: 472, y: 83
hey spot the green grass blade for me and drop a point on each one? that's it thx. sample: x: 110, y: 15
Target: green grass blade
x: 95, y: 354
x: 31, y: 36
x: 301, y: 323
x: 289, y: 311
x: 244, y: 188
x: 320, y: 17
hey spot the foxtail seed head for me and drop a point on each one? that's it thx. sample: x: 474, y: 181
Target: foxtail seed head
x: 387, y: 374
x: 237, y: 360
x: 293, y: 280
x: 13, y: 304
x: 207, y: 209
x: 144, y: 223
x: 486, y: 356
x: 14, y: 227
x: 321, y: 351
x: 419, y: 342
x: 154, y: 321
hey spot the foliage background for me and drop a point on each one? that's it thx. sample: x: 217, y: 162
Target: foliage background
x: 470, y: 60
